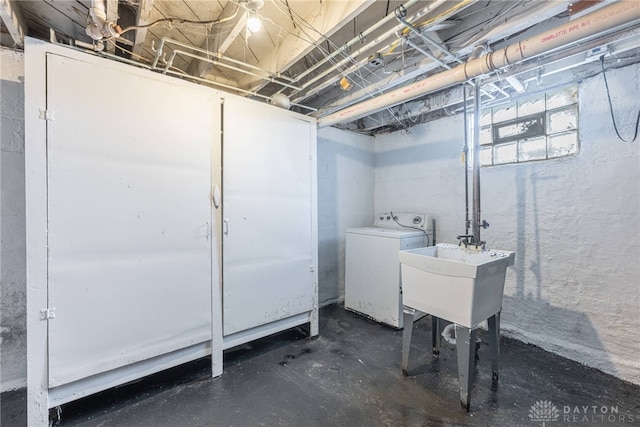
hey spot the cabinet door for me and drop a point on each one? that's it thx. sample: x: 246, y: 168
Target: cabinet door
x: 267, y: 235
x: 129, y: 212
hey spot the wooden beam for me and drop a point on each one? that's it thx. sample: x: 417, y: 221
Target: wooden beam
x: 144, y: 13
x: 112, y: 16
x: 12, y: 18
x: 202, y: 69
x: 233, y: 34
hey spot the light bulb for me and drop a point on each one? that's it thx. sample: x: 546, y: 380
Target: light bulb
x: 253, y: 23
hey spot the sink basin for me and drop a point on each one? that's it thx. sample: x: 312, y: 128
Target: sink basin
x: 453, y: 283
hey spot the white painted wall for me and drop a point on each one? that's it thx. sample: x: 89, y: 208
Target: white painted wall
x: 574, y: 223
x: 566, y: 293
x: 13, y: 365
x: 345, y: 200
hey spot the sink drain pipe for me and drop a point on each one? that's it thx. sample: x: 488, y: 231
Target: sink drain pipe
x: 449, y: 335
x: 609, y: 17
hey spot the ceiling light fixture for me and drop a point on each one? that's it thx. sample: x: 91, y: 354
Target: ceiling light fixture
x: 254, y: 24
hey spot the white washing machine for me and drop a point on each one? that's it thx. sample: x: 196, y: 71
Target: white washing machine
x: 372, y: 277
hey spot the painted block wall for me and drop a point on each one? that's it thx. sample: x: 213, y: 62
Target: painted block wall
x: 345, y: 200
x: 574, y: 223
x: 13, y: 335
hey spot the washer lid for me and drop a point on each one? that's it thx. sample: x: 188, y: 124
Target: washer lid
x: 385, y: 232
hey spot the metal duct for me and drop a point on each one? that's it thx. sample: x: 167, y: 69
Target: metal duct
x: 617, y: 14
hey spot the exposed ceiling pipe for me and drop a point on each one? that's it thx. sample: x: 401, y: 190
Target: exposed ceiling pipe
x: 615, y: 15
x: 393, y: 31
x: 617, y: 43
x: 166, y: 40
x: 333, y: 79
x: 448, y: 67
x: 98, y: 26
x: 221, y: 64
x: 357, y: 39
x: 542, y: 11
x: 215, y: 59
x: 424, y: 37
x: 441, y: 47
x: 350, y: 57
x: 410, y: 111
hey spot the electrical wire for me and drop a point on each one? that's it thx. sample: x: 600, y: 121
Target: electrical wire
x: 302, y: 23
x: 613, y: 119
x: 395, y: 219
x: 487, y: 24
x: 133, y: 55
x: 173, y: 20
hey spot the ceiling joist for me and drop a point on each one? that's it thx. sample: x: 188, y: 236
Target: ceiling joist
x: 12, y: 18
x: 144, y: 13
x: 202, y: 69
x: 112, y: 16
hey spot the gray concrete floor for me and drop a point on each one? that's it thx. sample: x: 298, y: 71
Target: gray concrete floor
x: 351, y: 376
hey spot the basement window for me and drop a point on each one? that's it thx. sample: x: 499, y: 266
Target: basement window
x: 541, y: 127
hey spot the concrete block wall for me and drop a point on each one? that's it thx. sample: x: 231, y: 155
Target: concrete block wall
x: 13, y: 367
x: 574, y: 223
x: 345, y: 199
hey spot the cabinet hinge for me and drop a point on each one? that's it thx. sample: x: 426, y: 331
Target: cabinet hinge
x: 47, y: 313
x: 47, y: 115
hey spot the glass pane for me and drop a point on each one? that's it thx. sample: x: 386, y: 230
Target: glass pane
x: 525, y: 127
x: 486, y: 136
x: 531, y: 106
x: 505, y: 153
x: 562, y: 97
x: 562, y: 120
x: 532, y: 149
x: 563, y: 144
x: 485, y: 156
x: 504, y: 112
x: 485, y: 117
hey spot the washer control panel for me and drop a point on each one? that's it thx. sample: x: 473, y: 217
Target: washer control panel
x: 400, y: 220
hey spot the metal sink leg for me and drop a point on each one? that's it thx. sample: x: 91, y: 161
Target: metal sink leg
x: 409, y: 315
x: 494, y: 343
x: 465, y: 345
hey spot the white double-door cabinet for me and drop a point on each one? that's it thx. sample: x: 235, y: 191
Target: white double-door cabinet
x: 165, y: 221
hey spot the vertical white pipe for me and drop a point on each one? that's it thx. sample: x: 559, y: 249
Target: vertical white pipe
x: 476, y: 164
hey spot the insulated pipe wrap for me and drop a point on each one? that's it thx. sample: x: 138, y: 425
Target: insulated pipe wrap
x: 612, y: 16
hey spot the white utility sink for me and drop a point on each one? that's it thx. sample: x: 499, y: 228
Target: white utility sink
x: 453, y: 283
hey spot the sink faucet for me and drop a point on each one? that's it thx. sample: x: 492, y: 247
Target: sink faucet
x: 469, y: 240
x: 465, y: 239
